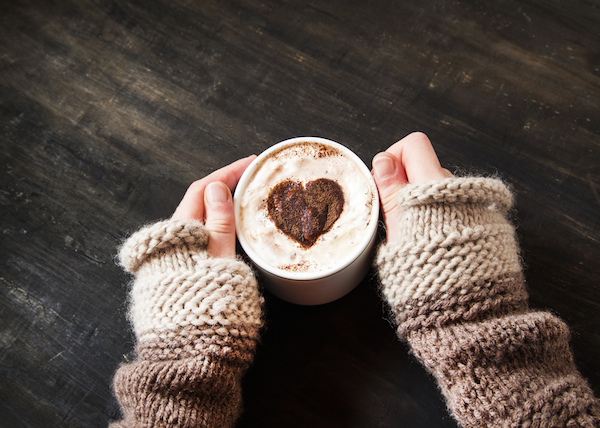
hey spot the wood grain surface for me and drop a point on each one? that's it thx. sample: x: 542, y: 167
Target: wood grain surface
x: 109, y: 109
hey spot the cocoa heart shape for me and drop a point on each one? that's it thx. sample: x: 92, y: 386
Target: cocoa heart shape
x: 304, y: 214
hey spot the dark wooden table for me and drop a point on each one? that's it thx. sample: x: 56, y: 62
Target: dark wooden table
x: 109, y: 109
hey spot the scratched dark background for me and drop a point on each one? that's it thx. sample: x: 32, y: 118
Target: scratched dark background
x: 109, y: 109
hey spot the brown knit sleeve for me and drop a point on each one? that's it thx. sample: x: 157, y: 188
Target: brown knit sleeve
x: 454, y: 283
x: 196, y: 320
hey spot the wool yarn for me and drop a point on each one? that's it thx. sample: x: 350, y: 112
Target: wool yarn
x: 196, y: 320
x: 454, y: 283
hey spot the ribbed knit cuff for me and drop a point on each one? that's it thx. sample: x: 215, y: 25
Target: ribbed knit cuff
x: 463, y: 190
x: 456, y: 249
x: 165, y: 238
x: 180, y: 294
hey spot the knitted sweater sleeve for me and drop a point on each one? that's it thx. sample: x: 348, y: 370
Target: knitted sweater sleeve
x: 196, y: 320
x: 455, y: 286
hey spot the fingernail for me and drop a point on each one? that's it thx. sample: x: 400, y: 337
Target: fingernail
x: 384, y: 167
x: 216, y: 193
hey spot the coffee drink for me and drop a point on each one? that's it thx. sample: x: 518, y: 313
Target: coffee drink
x: 306, y: 208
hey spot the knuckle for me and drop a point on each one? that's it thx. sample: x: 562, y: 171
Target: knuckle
x: 220, y: 226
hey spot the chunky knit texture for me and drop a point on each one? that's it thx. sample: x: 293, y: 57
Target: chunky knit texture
x: 196, y: 320
x: 453, y: 281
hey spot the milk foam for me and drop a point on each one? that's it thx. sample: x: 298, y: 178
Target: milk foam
x: 304, y: 162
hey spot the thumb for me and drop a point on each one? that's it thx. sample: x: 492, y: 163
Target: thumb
x: 220, y: 220
x: 390, y: 176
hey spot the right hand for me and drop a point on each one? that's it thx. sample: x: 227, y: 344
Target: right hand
x: 411, y: 160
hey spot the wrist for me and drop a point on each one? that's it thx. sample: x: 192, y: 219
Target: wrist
x: 182, y: 294
x: 454, y: 240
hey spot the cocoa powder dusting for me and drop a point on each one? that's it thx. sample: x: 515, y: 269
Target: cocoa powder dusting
x: 304, y: 214
x: 306, y: 150
x: 298, y: 267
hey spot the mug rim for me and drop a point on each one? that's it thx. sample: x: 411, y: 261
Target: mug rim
x: 371, y: 229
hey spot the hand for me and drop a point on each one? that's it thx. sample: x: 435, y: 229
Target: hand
x: 209, y: 200
x: 411, y: 160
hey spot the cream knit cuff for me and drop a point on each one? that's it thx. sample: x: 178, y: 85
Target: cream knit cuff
x: 472, y: 190
x: 454, y: 235
x: 179, y: 289
x: 162, y: 238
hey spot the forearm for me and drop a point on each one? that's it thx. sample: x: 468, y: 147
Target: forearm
x: 196, y: 320
x: 455, y: 286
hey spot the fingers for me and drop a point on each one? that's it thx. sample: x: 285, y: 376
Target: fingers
x: 220, y: 220
x: 410, y: 160
x: 192, y: 204
x: 417, y: 156
x: 209, y: 200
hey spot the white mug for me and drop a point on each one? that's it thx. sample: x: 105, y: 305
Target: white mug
x: 313, y: 288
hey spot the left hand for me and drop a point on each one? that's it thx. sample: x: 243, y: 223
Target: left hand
x: 209, y: 200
